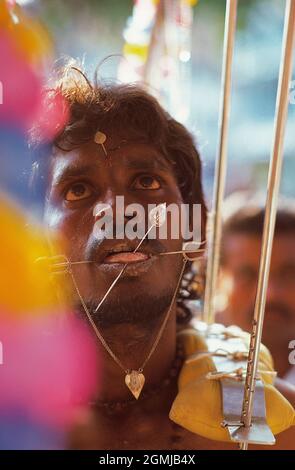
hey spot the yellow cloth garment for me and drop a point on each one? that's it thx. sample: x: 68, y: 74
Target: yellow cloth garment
x: 198, y: 404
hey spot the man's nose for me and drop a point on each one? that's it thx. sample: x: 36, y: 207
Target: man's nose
x: 108, y: 198
x: 104, y: 205
x: 112, y: 205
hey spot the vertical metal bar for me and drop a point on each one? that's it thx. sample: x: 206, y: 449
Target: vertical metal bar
x: 221, y: 161
x: 270, y: 210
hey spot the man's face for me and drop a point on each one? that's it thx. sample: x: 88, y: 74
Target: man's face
x: 241, y: 266
x: 81, y: 179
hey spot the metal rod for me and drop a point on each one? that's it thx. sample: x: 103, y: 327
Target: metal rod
x: 122, y: 271
x: 164, y: 253
x: 111, y: 287
x: 221, y: 161
x: 57, y: 265
x: 181, y: 251
x: 270, y: 211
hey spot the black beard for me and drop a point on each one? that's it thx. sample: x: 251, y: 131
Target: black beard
x: 143, y: 309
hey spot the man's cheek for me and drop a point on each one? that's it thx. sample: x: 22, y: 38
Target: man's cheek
x: 63, y: 228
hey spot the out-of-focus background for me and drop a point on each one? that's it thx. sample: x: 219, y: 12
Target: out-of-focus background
x: 174, y: 47
x: 95, y: 29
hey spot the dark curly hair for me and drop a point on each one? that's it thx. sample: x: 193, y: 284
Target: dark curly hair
x: 113, y: 107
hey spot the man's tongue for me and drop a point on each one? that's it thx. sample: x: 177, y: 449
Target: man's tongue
x: 125, y: 257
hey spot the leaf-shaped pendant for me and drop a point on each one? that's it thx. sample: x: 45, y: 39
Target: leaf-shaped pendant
x: 135, y: 382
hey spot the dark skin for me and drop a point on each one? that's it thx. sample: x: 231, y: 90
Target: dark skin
x: 79, y: 179
x: 74, y: 220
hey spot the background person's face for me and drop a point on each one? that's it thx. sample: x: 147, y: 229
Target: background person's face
x: 241, y: 266
x: 82, y: 178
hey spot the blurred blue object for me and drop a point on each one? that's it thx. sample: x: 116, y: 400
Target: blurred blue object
x: 15, y: 169
x: 18, y: 432
x: 14, y: 162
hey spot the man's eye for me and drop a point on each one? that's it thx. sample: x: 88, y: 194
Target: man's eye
x: 77, y: 192
x: 147, y: 182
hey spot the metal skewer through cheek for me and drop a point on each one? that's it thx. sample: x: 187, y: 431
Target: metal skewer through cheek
x: 270, y: 212
x: 67, y: 264
x: 183, y: 252
x: 157, y: 217
x: 70, y: 263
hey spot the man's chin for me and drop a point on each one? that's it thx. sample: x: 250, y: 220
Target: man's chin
x: 139, y: 309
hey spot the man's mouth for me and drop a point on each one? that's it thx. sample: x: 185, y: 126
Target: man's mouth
x: 125, y: 255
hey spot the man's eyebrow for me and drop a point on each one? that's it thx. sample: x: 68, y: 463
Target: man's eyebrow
x: 76, y: 170
x: 148, y: 164
x: 72, y: 171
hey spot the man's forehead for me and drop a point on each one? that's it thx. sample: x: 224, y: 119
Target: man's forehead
x: 130, y: 154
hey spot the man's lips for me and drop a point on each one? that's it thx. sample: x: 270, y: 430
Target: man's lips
x: 126, y: 257
x: 122, y: 253
x: 136, y: 263
x: 110, y: 258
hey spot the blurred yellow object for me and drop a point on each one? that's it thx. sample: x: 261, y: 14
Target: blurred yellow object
x: 26, y: 287
x: 137, y: 50
x: 198, y: 405
x: 4, y: 13
x: 29, y: 36
x: 192, y: 2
